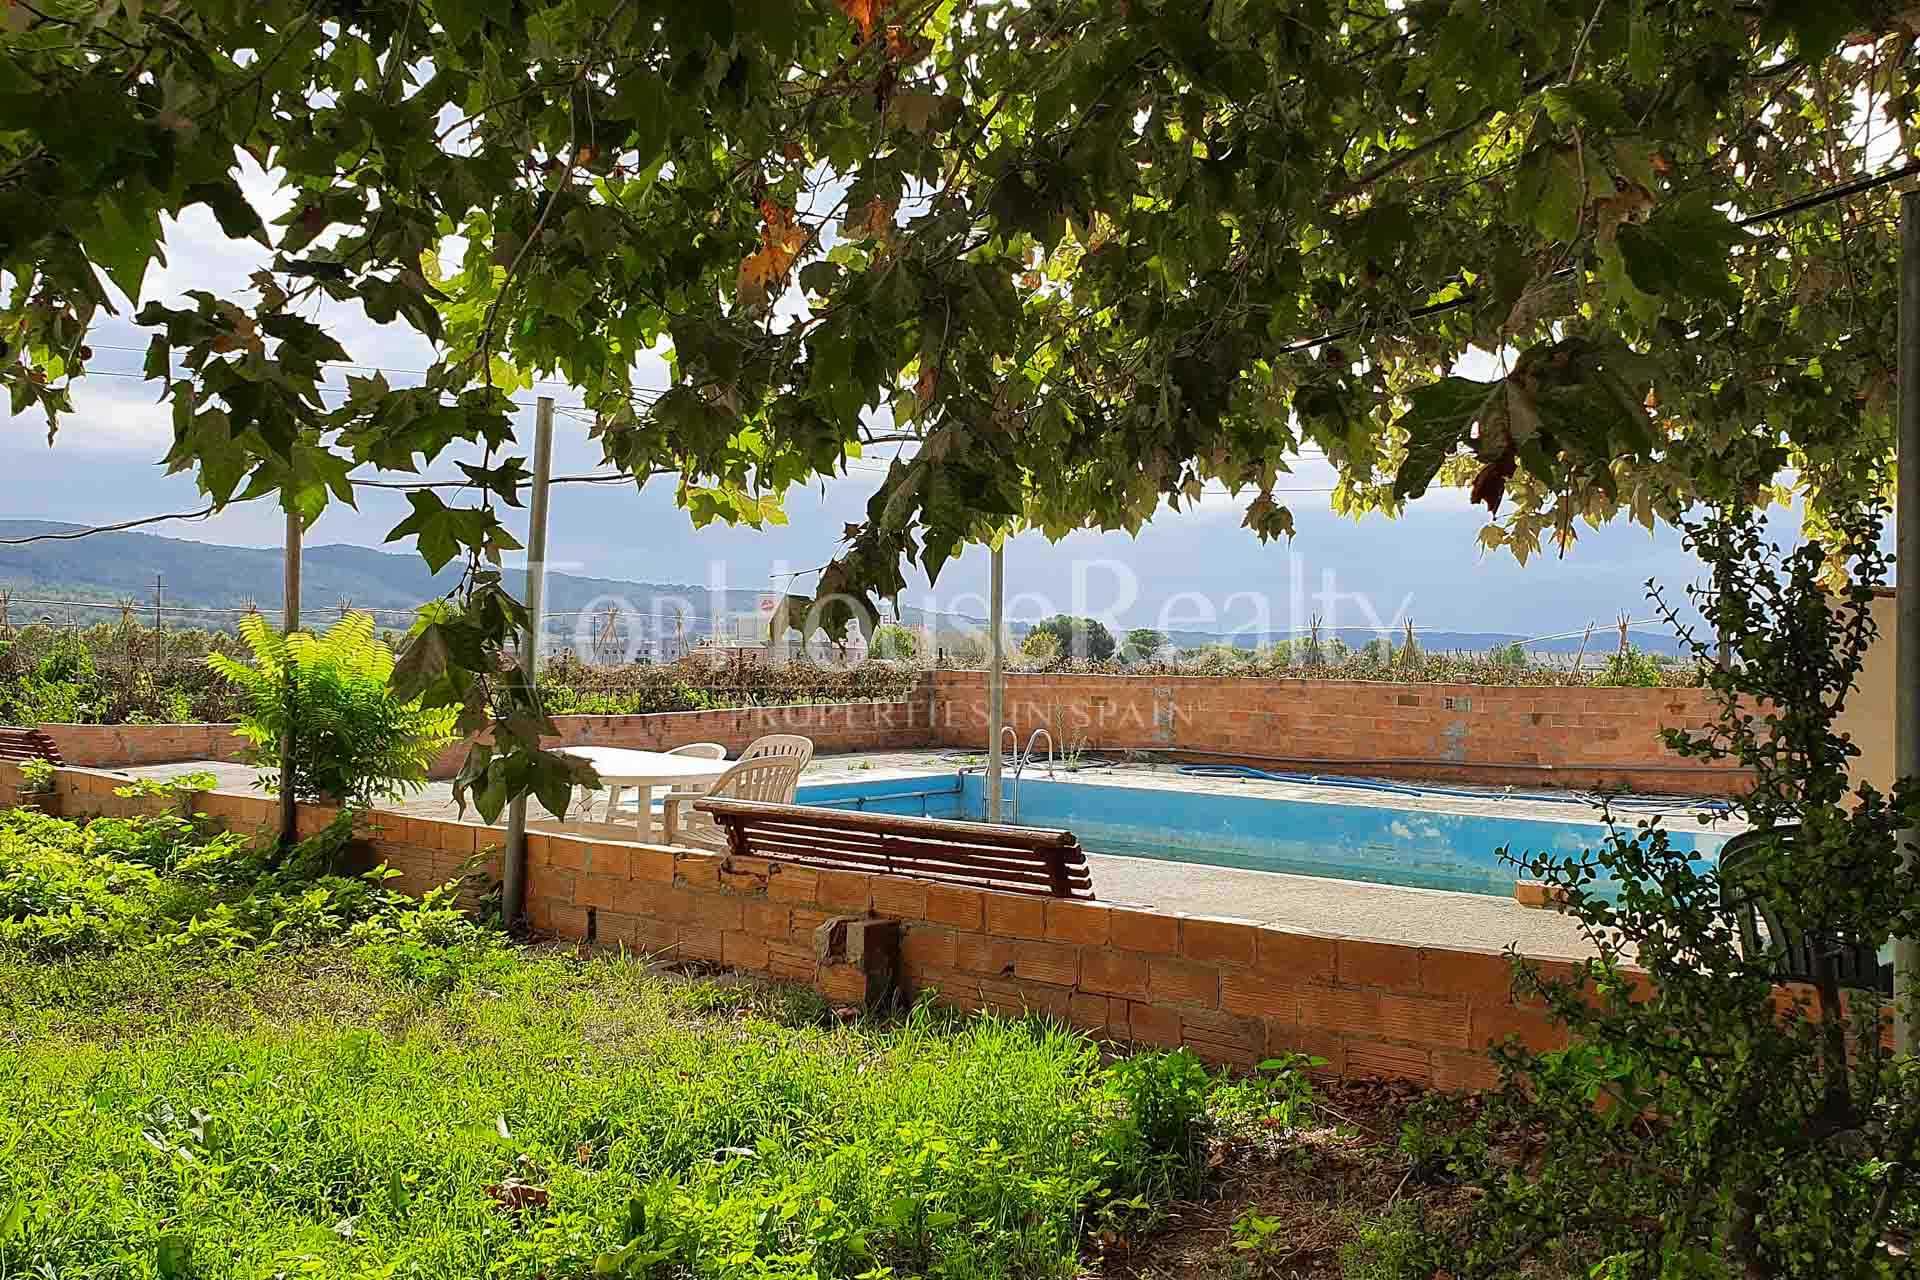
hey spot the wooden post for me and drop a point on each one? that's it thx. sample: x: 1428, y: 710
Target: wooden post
x: 289, y: 623
x: 513, y: 869
x: 1906, y: 635
x: 996, y: 678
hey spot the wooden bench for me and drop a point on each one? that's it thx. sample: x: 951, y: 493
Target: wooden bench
x: 1032, y: 860
x: 28, y: 744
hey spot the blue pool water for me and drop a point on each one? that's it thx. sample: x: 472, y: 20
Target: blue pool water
x: 1340, y: 841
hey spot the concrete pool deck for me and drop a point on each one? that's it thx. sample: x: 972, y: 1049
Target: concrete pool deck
x: 1297, y: 903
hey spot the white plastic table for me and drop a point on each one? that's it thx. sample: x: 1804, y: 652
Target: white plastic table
x: 622, y: 767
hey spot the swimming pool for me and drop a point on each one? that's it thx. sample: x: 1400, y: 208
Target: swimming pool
x: 1379, y: 843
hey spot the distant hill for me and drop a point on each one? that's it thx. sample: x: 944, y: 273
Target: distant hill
x: 111, y: 566
x: 1603, y: 641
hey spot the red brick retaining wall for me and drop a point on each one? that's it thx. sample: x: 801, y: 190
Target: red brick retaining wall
x: 99, y: 745
x: 833, y: 726
x: 1235, y: 992
x: 1524, y: 735
x: 848, y: 726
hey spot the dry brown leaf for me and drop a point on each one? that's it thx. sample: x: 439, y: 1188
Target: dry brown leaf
x: 515, y: 1196
x: 906, y: 49
x: 873, y: 221
x: 865, y: 14
x: 763, y: 270
x: 917, y: 112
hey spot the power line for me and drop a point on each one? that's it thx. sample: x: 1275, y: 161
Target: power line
x: 322, y: 389
x: 172, y: 606
x: 610, y: 477
x: 350, y: 364
x: 108, y: 528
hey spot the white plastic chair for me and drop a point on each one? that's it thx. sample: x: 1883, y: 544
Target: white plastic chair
x: 781, y: 745
x: 696, y: 750
x: 771, y: 778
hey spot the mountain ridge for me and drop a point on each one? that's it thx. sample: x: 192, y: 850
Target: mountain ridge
x: 107, y: 567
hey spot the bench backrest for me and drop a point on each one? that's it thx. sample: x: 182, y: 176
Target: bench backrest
x: 27, y: 744
x: 1033, y: 860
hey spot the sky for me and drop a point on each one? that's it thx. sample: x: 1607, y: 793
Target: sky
x: 1194, y: 569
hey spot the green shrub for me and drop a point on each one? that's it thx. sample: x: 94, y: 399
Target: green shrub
x: 353, y: 742
x: 1696, y: 1128
x: 115, y: 884
x: 1631, y: 668
x: 36, y: 777
x: 1160, y: 1135
x: 894, y: 643
x: 1039, y: 648
x: 1393, y: 1247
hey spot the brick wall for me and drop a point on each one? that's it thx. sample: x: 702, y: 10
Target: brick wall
x: 99, y: 745
x: 1524, y: 735
x: 1234, y: 991
x: 851, y: 726
x: 833, y: 726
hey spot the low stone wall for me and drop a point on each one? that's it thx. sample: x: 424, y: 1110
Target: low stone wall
x: 1519, y: 734
x: 1235, y: 992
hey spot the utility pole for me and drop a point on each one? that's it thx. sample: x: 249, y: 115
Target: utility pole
x: 996, y: 678
x: 513, y: 870
x: 1906, y: 637
x: 290, y: 623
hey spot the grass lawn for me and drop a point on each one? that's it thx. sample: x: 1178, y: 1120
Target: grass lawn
x: 210, y: 1067
x: 548, y: 1116
x: 291, y: 1116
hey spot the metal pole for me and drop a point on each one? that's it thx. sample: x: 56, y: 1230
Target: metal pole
x: 996, y: 679
x: 1906, y: 637
x: 513, y: 872
x: 290, y: 623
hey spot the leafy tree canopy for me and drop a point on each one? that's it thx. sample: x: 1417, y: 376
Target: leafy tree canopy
x: 1144, y: 642
x: 1083, y: 254
x: 1085, y: 639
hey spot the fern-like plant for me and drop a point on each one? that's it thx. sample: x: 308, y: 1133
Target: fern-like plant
x: 353, y: 742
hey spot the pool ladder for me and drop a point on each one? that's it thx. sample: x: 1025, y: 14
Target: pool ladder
x: 1010, y: 797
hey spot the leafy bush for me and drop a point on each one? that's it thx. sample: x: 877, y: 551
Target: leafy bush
x: 353, y: 742
x: 434, y: 945
x: 569, y: 686
x: 1301, y: 660
x: 894, y: 643
x: 1039, y: 648
x: 114, y: 674
x: 1161, y: 1135
x: 1393, y: 1247
x: 1630, y: 668
x: 1698, y: 1128
x: 112, y: 884
x: 36, y: 777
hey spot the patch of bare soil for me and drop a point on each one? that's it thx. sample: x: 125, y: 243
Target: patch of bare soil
x: 1287, y: 1205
